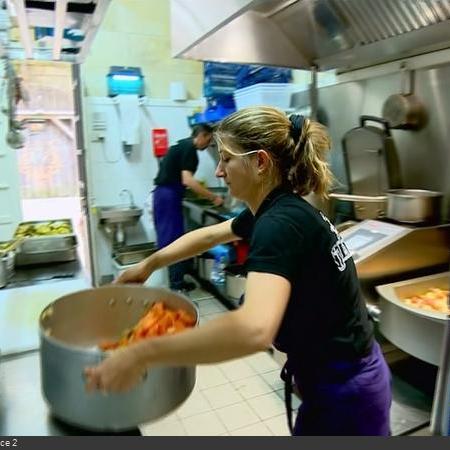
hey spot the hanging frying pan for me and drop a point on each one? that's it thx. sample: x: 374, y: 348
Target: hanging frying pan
x: 405, y: 111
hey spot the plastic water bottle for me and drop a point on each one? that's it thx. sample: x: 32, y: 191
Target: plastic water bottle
x: 218, y: 270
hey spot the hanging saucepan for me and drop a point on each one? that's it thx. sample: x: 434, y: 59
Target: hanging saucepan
x: 405, y: 111
x: 403, y: 205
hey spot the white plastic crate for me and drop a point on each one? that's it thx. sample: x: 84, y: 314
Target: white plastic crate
x: 269, y: 94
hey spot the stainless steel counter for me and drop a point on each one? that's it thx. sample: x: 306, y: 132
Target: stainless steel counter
x: 44, y: 273
x: 23, y: 411
x: 202, y: 213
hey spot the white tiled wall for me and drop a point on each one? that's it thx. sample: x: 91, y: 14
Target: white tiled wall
x: 242, y: 397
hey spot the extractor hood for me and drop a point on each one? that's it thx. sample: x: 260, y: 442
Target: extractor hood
x: 327, y: 34
x: 59, y: 30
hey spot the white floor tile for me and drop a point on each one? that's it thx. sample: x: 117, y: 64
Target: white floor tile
x: 294, y: 399
x: 236, y: 369
x: 221, y: 396
x: 252, y: 387
x: 206, y: 424
x: 268, y: 405
x: 257, y: 429
x: 262, y: 362
x: 209, y: 376
x: 278, y: 425
x: 210, y: 306
x: 208, y: 317
x: 237, y: 416
x: 195, y: 404
x: 273, y: 379
x: 201, y: 298
x: 164, y: 427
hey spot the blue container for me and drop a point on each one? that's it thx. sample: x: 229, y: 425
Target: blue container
x: 223, y: 251
x: 125, y: 80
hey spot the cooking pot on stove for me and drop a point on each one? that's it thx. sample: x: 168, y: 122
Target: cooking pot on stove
x: 403, y: 205
x: 70, y: 330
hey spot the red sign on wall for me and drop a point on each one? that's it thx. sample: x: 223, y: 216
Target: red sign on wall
x: 160, y: 141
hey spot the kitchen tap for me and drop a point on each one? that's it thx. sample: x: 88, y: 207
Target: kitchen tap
x: 130, y: 196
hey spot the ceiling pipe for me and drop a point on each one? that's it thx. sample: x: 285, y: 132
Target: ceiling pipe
x: 60, y: 18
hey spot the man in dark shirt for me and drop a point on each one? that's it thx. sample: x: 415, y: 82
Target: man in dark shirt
x: 175, y: 174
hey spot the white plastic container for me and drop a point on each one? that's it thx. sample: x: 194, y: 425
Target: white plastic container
x: 269, y: 94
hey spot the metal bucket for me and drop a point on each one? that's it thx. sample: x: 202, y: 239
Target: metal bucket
x: 6, y: 268
x: 235, y: 281
x: 70, y: 330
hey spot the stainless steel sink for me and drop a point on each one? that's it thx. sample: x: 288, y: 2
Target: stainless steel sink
x: 119, y: 214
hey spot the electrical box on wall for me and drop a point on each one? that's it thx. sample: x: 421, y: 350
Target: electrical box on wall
x: 98, y: 130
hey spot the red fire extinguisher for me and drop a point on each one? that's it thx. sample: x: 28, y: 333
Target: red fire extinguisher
x: 160, y: 141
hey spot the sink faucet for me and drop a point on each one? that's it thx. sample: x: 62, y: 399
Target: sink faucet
x: 130, y: 196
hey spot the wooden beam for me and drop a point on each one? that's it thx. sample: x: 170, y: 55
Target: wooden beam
x: 90, y: 28
x: 24, y: 28
x: 60, y: 18
x: 63, y: 127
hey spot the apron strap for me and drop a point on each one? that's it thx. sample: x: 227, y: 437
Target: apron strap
x: 287, y: 376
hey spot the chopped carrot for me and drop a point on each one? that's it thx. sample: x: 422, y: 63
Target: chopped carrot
x: 158, y: 321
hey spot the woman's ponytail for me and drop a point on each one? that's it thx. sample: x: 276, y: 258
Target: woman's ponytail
x: 309, y: 169
x: 298, y: 146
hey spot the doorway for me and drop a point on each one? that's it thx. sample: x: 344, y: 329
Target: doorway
x: 49, y: 163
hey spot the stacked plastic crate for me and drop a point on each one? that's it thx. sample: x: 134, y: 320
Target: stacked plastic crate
x: 260, y: 85
x: 223, y: 80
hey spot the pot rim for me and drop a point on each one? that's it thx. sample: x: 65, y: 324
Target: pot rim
x: 413, y: 193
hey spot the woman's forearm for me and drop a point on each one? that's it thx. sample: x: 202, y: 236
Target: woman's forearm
x: 227, y: 337
x: 190, y: 244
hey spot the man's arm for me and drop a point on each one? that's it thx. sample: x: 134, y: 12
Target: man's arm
x: 188, y: 180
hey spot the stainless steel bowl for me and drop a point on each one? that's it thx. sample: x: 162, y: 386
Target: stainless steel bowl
x: 70, y: 330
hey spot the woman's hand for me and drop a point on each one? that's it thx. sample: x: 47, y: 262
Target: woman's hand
x: 120, y: 372
x: 136, y: 274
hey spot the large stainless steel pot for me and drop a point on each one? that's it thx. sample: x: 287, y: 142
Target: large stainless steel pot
x: 416, y: 331
x: 403, y: 205
x: 70, y: 330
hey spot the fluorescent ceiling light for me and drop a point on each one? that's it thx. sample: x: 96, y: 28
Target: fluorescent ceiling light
x: 125, y: 77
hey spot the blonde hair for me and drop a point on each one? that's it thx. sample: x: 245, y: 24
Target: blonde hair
x: 302, y: 166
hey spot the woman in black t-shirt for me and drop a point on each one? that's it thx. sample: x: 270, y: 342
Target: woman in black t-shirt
x: 302, y: 292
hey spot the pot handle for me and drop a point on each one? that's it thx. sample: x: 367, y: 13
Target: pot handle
x: 385, y: 123
x: 374, y: 312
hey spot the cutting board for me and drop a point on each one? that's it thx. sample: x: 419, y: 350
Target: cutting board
x: 20, y: 309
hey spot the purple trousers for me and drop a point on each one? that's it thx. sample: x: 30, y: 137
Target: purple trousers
x: 169, y: 225
x: 351, y: 398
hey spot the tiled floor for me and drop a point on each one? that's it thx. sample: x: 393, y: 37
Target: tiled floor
x: 243, y: 397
